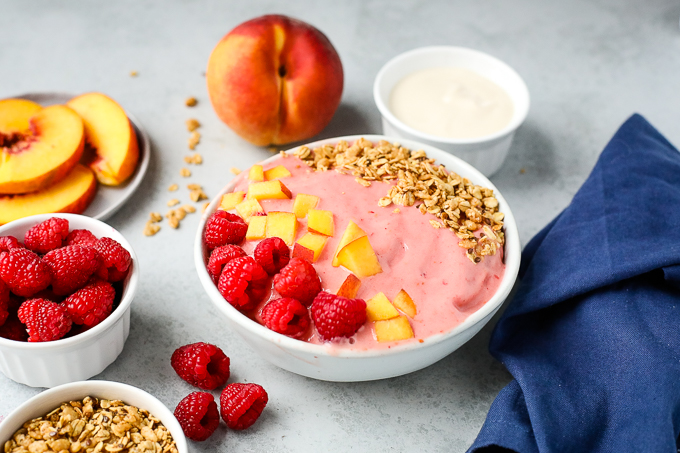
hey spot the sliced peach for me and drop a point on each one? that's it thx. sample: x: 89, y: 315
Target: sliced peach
x: 300, y: 251
x: 350, y: 287
x: 275, y: 173
x: 320, y: 221
x: 303, y: 203
x: 404, y: 303
x: 314, y: 242
x: 231, y: 199
x: 282, y: 225
x: 247, y: 209
x: 257, y: 227
x: 379, y: 308
x: 36, y: 158
x: 358, y: 256
x: 72, y: 194
x: 256, y: 173
x: 109, y: 131
x: 352, y: 233
x: 268, y: 190
x: 394, y: 329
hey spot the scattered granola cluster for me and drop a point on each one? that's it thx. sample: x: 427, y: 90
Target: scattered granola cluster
x: 93, y: 425
x: 458, y: 204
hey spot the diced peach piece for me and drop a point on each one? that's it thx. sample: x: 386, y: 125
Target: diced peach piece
x: 268, y: 190
x: 300, y: 251
x: 303, y: 203
x: 231, y: 199
x: 256, y: 227
x: 256, y: 173
x: 282, y: 225
x: 379, y: 308
x: 394, y: 329
x: 314, y: 242
x: 321, y: 222
x: 248, y: 208
x: 358, y: 256
x: 350, y: 287
x: 351, y: 234
x: 404, y: 303
x: 275, y: 173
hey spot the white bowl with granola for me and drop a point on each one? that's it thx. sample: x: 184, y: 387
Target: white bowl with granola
x: 80, y: 415
x: 405, y: 260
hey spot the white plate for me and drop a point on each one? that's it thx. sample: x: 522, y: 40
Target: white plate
x: 108, y: 199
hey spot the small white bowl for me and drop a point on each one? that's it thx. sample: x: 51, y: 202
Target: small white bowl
x: 51, y: 399
x: 485, y: 153
x: 52, y: 363
x: 317, y: 361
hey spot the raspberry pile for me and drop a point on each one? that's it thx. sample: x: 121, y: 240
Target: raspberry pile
x: 206, y: 366
x: 251, y: 284
x: 58, y: 282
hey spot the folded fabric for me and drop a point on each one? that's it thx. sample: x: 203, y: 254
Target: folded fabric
x: 592, y: 337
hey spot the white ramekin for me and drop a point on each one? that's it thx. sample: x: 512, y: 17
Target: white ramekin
x: 48, y: 364
x: 51, y: 399
x: 485, y: 153
x: 318, y: 361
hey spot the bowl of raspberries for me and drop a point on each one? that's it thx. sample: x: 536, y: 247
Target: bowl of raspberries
x: 66, y: 285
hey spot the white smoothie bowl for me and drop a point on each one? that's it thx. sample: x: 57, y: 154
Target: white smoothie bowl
x: 51, y: 399
x: 48, y: 364
x: 485, y: 153
x: 318, y: 361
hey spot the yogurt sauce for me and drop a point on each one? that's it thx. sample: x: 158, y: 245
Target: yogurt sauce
x: 451, y: 103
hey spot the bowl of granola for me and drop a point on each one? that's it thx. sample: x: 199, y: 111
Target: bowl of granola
x: 82, y: 415
x: 358, y: 258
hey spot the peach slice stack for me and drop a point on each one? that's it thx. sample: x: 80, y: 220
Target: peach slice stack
x: 45, y: 161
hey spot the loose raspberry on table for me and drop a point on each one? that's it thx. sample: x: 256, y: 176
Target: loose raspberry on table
x: 116, y: 259
x: 71, y: 266
x: 44, y: 320
x: 47, y: 235
x: 13, y: 329
x: 272, y: 254
x: 286, y: 316
x: 24, y: 272
x: 224, y: 228
x: 243, y: 283
x: 81, y: 237
x: 8, y: 243
x: 198, y: 416
x: 220, y: 257
x: 242, y: 404
x: 298, y: 280
x: 203, y: 365
x: 91, y: 304
x: 337, y: 316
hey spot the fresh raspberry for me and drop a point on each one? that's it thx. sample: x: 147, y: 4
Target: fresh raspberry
x: 224, y: 228
x: 81, y: 237
x: 92, y: 304
x: 71, y: 266
x: 298, y: 280
x: 337, y: 316
x: 203, y: 365
x: 8, y: 243
x: 4, y: 302
x: 12, y: 329
x: 243, y: 283
x: 116, y: 259
x: 242, y: 404
x: 47, y: 235
x: 272, y: 254
x: 24, y: 272
x: 44, y: 320
x: 197, y: 414
x: 286, y: 316
x: 220, y: 257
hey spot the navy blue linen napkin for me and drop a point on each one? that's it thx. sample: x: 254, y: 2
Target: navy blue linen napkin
x: 592, y: 336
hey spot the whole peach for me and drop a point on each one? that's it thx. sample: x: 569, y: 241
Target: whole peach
x: 275, y: 80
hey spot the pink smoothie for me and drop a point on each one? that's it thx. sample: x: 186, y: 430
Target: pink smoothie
x: 426, y: 262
